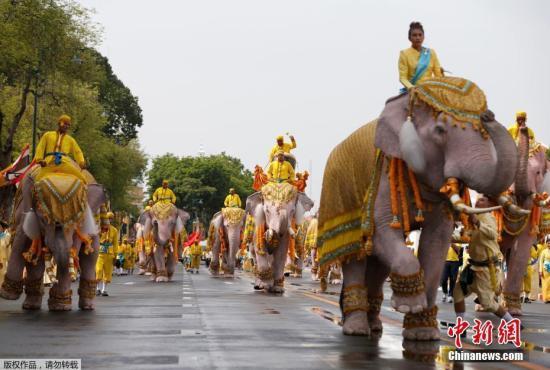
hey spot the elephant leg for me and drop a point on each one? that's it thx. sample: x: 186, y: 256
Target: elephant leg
x: 264, y: 272
x: 278, y: 265
x: 170, y: 266
x: 517, y: 265
x: 228, y: 264
x: 60, y: 293
x: 377, y: 273
x: 353, y: 298
x: 215, y: 263
x: 88, y: 281
x: 142, y: 262
x: 161, y: 275
x: 432, y: 251
x: 34, y: 289
x: 12, y: 286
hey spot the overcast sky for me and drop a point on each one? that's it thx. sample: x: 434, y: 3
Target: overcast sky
x: 231, y: 75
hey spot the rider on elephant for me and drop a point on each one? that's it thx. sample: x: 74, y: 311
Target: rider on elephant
x: 232, y: 199
x: 164, y: 194
x: 281, y: 145
x: 417, y: 63
x: 108, y: 248
x: 521, y: 119
x: 280, y: 170
x: 54, y: 149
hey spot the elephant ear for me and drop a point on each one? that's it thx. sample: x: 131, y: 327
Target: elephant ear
x: 145, y: 220
x: 96, y: 197
x: 303, y: 205
x: 253, y: 207
x: 389, y: 126
x: 182, y: 218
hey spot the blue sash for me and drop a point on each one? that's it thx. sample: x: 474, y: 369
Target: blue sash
x: 421, y: 67
x: 104, y: 248
x: 547, y: 266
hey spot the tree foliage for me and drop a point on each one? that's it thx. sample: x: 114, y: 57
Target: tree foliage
x: 48, y: 51
x: 201, y: 183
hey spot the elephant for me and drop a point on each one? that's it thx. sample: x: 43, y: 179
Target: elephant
x: 227, y: 226
x: 274, y: 208
x: 427, y: 145
x: 518, y: 234
x: 162, y: 224
x: 37, y: 225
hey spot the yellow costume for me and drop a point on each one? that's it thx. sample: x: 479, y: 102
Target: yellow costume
x: 232, y: 200
x: 514, y: 128
x: 4, y: 254
x: 164, y: 195
x: 408, y: 59
x: 452, y: 256
x: 280, y: 171
x: 544, y: 267
x: 528, y: 277
x: 54, y: 142
x: 129, y: 256
x: 196, y: 253
x: 485, y: 262
x: 286, y: 148
x: 108, y: 248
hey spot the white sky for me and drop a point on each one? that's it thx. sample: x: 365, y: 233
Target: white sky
x: 233, y: 74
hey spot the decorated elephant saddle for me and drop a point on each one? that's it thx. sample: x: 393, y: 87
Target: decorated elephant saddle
x: 279, y: 193
x: 162, y: 211
x: 233, y: 215
x: 61, y: 198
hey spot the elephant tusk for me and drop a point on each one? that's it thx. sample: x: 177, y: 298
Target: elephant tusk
x: 459, y: 206
x: 508, y: 204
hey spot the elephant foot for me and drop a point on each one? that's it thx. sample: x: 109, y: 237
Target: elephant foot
x: 11, y: 289
x: 258, y: 284
x: 422, y: 326
x: 278, y: 286
x: 161, y: 279
x: 373, y: 314
x: 141, y: 272
x: 336, y: 282
x: 34, y: 291
x: 60, y: 301
x: 170, y: 276
x: 512, y: 302
x: 408, y: 292
x: 87, y: 293
x: 32, y: 302
x: 148, y: 273
x: 356, y: 323
x: 421, y: 334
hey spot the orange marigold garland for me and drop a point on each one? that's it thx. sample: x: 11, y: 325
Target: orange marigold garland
x: 393, y: 193
x: 417, y: 197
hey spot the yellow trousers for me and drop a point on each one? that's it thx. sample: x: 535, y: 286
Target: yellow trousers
x: 546, y: 286
x: 104, y: 268
x: 195, y: 261
x: 527, y: 281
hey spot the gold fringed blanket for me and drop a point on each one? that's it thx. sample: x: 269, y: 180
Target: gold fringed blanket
x: 61, y: 198
x: 346, y: 180
x: 162, y: 210
x: 233, y: 215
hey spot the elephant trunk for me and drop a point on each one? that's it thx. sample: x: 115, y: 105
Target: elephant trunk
x: 521, y: 186
x: 507, y: 159
x: 156, y: 236
x: 60, y: 247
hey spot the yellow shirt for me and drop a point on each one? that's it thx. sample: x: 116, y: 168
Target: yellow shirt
x: 51, y: 142
x: 285, y: 148
x: 452, y: 256
x: 514, y: 131
x: 195, y: 249
x: 164, y: 195
x: 108, y: 242
x: 232, y: 200
x: 280, y: 171
x: 544, y: 257
x: 408, y: 59
x: 483, y: 243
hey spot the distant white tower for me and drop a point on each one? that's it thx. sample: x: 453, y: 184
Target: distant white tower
x: 202, y: 153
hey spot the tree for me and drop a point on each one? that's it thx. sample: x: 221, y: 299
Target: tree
x: 201, y: 183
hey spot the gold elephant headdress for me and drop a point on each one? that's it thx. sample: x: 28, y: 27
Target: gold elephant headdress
x: 461, y: 101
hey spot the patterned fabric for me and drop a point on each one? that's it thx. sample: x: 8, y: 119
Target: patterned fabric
x: 460, y: 100
x: 279, y: 193
x: 345, y: 183
x: 61, y: 198
x: 233, y: 215
x: 162, y: 211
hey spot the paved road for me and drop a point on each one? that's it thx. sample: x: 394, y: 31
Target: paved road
x: 202, y: 322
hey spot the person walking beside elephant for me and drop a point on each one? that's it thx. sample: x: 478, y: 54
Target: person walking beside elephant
x: 450, y: 272
x: 417, y: 63
x: 108, y: 247
x: 481, y: 275
x: 196, y: 252
x: 544, y: 268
